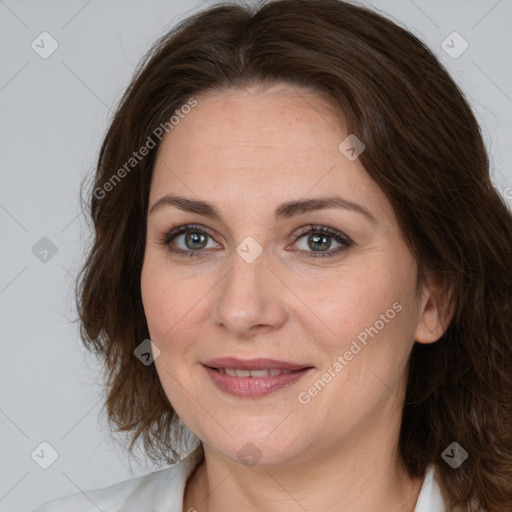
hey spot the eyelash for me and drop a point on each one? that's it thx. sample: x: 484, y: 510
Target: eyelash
x: 344, y: 240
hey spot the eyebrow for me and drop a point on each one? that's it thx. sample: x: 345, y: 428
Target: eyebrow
x: 283, y: 211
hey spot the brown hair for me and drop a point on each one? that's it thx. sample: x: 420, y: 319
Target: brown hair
x: 425, y: 151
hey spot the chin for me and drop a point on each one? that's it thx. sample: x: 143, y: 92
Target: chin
x: 263, y: 450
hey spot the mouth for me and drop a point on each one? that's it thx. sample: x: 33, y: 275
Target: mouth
x: 255, y: 364
x: 238, y: 372
x: 254, y: 377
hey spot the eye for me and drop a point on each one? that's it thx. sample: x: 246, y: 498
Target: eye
x: 190, y: 240
x: 312, y: 242
x: 317, y: 241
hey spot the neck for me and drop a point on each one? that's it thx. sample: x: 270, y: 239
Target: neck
x: 349, y: 480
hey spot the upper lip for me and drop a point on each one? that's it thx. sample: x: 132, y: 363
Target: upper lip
x: 254, y: 364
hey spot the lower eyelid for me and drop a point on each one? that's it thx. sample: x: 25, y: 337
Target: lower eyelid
x: 345, y: 242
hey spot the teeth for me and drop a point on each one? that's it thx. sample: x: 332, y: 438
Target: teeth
x: 258, y: 373
x: 235, y: 372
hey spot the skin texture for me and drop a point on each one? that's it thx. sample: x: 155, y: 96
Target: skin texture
x: 247, y: 151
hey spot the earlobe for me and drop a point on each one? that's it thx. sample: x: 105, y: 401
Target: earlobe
x: 437, y: 309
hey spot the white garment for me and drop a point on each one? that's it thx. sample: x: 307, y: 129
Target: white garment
x: 162, y: 491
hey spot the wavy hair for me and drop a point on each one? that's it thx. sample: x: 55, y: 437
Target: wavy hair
x: 424, y: 149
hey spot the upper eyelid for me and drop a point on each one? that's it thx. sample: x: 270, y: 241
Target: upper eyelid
x: 298, y: 233
x: 183, y: 229
x: 312, y: 228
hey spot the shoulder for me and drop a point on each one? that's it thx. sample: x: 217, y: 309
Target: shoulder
x: 107, y: 499
x: 129, y: 495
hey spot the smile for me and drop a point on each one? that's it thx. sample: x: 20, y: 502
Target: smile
x: 235, y: 372
x: 247, y: 382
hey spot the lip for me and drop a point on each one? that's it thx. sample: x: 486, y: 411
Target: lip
x: 251, y: 387
x: 254, y: 364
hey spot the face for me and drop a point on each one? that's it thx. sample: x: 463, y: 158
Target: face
x: 251, y: 272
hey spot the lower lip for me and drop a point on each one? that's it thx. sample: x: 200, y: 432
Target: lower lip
x: 254, y: 386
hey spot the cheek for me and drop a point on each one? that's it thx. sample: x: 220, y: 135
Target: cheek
x: 162, y: 301
x: 371, y: 308
x: 347, y: 303
x: 173, y: 301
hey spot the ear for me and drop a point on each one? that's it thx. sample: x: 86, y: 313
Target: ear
x: 436, y: 312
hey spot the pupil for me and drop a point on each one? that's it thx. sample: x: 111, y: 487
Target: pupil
x: 196, y: 239
x: 319, y: 242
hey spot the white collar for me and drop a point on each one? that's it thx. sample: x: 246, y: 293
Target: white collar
x: 430, y: 498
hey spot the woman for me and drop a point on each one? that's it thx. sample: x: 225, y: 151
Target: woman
x: 301, y: 260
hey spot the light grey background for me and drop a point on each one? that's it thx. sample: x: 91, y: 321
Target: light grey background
x: 54, y: 112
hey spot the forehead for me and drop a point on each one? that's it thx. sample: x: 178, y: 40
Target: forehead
x: 278, y: 143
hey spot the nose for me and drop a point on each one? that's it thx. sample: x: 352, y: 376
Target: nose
x: 250, y: 298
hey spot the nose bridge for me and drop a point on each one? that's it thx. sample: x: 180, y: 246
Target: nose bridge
x: 247, y: 296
